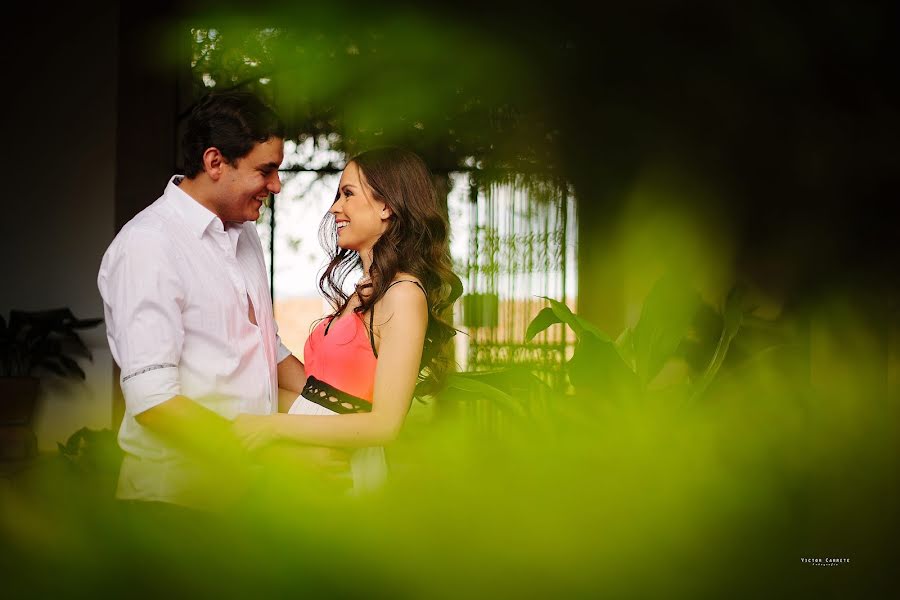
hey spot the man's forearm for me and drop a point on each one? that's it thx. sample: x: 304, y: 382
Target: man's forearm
x: 193, y: 428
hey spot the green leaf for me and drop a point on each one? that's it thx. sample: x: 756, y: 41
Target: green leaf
x: 71, y: 366
x: 484, y: 390
x: 85, y: 323
x: 51, y: 366
x: 732, y: 319
x: 734, y: 311
x: 664, y: 322
x: 597, y: 369
x: 544, y: 319
x: 564, y: 314
x: 78, y: 344
x: 592, y: 329
x: 625, y: 346
x: 579, y: 325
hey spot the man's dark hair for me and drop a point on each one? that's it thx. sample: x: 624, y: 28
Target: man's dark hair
x: 231, y: 121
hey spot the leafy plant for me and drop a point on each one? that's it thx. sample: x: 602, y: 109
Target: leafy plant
x: 43, y: 340
x: 597, y: 363
x: 92, y: 450
x: 674, y: 323
x: 626, y: 366
x: 510, y: 389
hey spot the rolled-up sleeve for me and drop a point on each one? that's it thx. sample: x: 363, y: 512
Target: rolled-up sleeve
x: 281, y: 351
x: 143, y: 296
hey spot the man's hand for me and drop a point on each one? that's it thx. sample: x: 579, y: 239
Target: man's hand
x: 259, y: 435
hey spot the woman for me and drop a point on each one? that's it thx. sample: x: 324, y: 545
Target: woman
x: 365, y: 360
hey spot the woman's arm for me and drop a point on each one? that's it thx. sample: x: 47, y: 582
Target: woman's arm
x: 291, y: 379
x: 291, y: 374
x: 402, y: 336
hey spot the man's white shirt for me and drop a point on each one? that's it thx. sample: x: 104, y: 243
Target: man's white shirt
x: 175, y: 284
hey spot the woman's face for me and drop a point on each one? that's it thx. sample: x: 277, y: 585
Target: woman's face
x: 359, y: 216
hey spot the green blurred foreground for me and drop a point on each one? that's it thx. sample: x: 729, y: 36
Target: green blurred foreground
x: 713, y: 479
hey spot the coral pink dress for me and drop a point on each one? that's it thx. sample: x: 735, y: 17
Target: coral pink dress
x: 340, y: 365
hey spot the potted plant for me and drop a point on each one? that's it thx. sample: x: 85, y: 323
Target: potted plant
x: 33, y: 343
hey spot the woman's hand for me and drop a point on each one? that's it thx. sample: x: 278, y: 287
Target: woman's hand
x: 256, y: 431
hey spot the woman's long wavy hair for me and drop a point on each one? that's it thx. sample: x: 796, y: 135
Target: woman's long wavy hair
x: 415, y: 242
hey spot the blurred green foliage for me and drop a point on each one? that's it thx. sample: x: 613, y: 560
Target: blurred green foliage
x: 713, y: 483
x: 365, y: 76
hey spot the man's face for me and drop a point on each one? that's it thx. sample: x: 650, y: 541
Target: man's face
x: 247, y: 182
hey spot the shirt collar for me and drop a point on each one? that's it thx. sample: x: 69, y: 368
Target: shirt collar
x: 198, y: 217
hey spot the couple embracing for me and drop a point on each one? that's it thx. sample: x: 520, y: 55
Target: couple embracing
x: 190, y: 320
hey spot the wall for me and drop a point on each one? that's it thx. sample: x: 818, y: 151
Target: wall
x: 59, y: 125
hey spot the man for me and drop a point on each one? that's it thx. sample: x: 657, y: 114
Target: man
x: 187, y: 305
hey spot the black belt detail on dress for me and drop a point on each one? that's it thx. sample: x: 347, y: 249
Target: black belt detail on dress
x: 333, y: 399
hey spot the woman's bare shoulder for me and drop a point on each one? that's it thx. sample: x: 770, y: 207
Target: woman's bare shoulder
x: 405, y: 296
